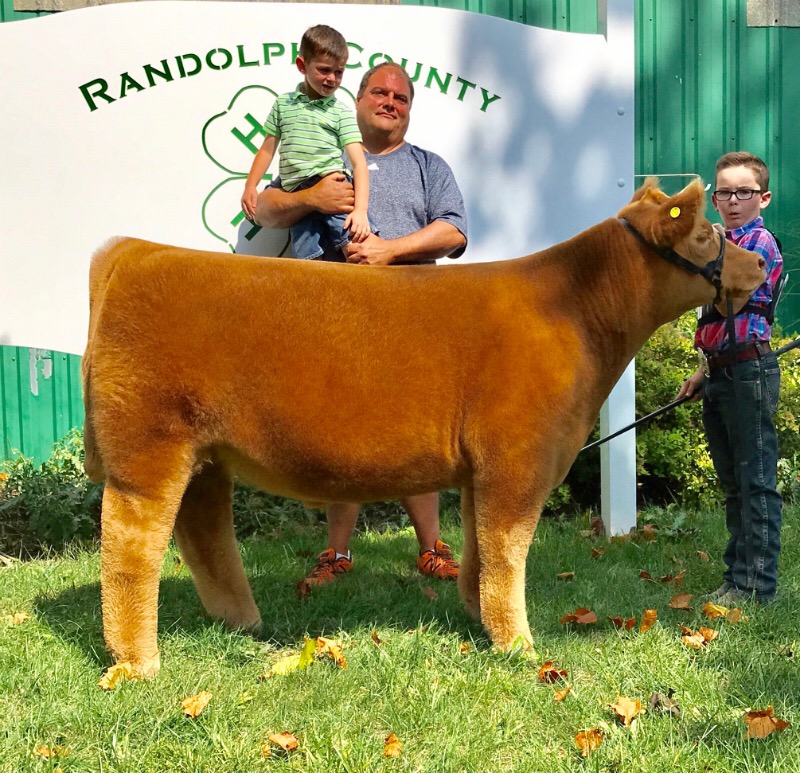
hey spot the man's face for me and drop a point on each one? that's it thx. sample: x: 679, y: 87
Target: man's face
x: 323, y: 75
x: 385, y: 104
x: 735, y: 212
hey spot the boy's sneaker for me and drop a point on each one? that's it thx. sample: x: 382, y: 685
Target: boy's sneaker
x: 719, y: 592
x: 328, y: 566
x: 735, y: 598
x: 438, y: 562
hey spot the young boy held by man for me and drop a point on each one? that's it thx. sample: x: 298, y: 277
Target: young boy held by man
x: 738, y: 423
x: 313, y: 128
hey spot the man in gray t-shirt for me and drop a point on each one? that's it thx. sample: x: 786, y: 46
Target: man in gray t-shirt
x: 418, y: 211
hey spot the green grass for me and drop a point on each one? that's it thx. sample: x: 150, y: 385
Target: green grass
x: 479, y: 711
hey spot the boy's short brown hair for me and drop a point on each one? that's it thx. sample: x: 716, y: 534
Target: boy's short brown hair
x: 743, y: 158
x: 323, y: 40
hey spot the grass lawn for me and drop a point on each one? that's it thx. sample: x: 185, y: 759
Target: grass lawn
x: 454, y: 708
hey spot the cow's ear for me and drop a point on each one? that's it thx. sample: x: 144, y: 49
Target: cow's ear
x: 649, y: 184
x: 678, y: 214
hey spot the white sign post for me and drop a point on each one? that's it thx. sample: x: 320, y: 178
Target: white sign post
x: 141, y: 119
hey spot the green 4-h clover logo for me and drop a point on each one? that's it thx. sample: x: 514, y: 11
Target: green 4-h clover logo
x: 230, y: 139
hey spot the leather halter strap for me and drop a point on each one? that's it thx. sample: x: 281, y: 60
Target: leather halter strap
x: 711, y: 272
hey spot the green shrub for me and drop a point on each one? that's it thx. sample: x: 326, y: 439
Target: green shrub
x: 51, y: 504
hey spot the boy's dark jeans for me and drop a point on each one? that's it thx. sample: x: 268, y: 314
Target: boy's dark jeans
x: 747, y: 422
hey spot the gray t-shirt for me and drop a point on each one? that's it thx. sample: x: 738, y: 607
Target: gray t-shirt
x: 410, y: 188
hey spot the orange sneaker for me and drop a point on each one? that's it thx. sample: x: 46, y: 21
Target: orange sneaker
x: 327, y: 567
x: 438, y: 562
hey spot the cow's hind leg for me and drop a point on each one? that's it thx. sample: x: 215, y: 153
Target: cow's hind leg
x: 206, y: 539
x: 135, y: 531
x: 505, y: 524
x: 469, y: 574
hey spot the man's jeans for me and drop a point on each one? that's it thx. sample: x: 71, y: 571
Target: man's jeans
x: 744, y: 431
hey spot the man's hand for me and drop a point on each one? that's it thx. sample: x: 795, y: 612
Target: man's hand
x: 692, y: 388
x: 373, y: 251
x: 332, y: 195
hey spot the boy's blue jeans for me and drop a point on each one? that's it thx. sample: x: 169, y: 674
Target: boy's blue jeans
x: 319, y: 235
x: 738, y: 431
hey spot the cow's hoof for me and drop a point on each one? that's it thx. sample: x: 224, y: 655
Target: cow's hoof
x: 473, y: 607
x: 147, y: 668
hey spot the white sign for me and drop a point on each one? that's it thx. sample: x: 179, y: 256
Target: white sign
x: 141, y: 119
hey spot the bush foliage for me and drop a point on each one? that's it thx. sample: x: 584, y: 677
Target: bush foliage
x: 54, y: 503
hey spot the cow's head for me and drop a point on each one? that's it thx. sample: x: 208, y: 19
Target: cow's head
x: 678, y: 223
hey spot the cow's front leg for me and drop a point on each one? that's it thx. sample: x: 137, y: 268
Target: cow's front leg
x: 135, y: 532
x: 469, y: 575
x: 206, y: 539
x: 504, y: 527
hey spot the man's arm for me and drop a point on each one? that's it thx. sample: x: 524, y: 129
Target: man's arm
x: 277, y: 208
x: 436, y: 240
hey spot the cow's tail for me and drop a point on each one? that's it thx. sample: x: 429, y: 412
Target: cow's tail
x: 99, y: 273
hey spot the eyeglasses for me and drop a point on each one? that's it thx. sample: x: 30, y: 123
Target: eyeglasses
x: 743, y: 194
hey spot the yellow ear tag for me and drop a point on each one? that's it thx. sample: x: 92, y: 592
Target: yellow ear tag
x: 674, y: 212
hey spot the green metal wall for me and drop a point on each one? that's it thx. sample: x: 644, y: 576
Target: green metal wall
x: 706, y: 83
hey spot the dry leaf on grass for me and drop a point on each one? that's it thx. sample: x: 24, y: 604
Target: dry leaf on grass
x: 702, y: 555
x: 699, y: 639
x: 565, y: 576
x: 736, y: 616
x: 392, y: 746
x: 430, y: 593
x: 645, y: 575
x: 581, y: 616
x: 588, y: 740
x: 627, y: 709
x: 713, y: 611
x: 285, y: 740
x: 464, y: 648
x: 660, y: 702
x: 115, y: 675
x: 598, y: 553
x: 618, y: 622
x: 54, y: 752
x: 676, y: 579
x: 549, y: 673
x: 649, y: 616
x: 680, y: 601
x: 333, y: 648
x: 561, y: 694
x: 294, y: 662
x: 762, y: 723
x: 647, y: 532
x: 18, y: 617
x: 195, y: 705
x: 303, y: 590
x: 376, y: 640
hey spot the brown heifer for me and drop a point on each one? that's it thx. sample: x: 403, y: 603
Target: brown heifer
x: 303, y: 378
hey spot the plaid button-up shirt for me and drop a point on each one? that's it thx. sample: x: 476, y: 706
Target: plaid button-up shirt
x: 749, y: 327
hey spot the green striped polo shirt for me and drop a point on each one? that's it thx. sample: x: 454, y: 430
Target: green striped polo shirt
x: 312, y: 134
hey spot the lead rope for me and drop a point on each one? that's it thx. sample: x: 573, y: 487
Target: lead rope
x: 741, y: 465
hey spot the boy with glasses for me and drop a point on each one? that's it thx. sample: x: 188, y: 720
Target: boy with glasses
x: 738, y: 424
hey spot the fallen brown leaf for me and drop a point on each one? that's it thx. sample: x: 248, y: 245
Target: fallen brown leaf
x: 596, y: 525
x: 713, y: 611
x: 333, y: 648
x: 303, y: 590
x: 54, y: 752
x: 430, y: 593
x: 115, y: 675
x: 376, y: 639
x: 565, y: 576
x: 762, y: 723
x: 649, y: 616
x: 559, y: 695
x: 648, y: 531
x: 735, y: 616
x: 549, y: 673
x: 627, y: 709
x: 598, y: 553
x: 588, y: 740
x: 195, y: 705
x: 709, y: 634
x: 285, y: 740
x: 660, y: 702
x: 464, y: 648
x: 702, y: 555
x: 18, y: 618
x: 581, y: 616
x: 681, y: 601
x: 392, y: 746
x: 645, y: 575
x: 627, y: 624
